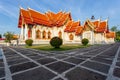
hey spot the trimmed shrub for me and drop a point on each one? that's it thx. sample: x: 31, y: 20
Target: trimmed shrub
x: 85, y: 41
x: 56, y: 42
x: 29, y: 42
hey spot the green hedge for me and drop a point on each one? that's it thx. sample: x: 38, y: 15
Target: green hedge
x: 29, y: 42
x: 56, y: 42
x: 85, y: 41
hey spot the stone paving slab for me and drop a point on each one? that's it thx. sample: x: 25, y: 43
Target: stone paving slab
x: 118, y: 64
x: 102, y: 60
x: 117, y: 72
x: 17, y: 61
x: 97, y: 66
x: 74, y: 60
x: 82, y: 57
x: 14, y: 58
x: 46, y: 60
x: 59, y: 79
x: 61, y: 56
x: 36, y: 57
x: 1, y: 64
x: 83, y: 74
x: 2, y: 73
x: 60, y: 66
x: 105, y: 57
x: 1, y: 60
x: 36, y: 74
x: 94, y: 61
x: 23, y: 66
x: 118, y: 59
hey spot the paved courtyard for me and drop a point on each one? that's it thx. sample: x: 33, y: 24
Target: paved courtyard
x: 93, y: 63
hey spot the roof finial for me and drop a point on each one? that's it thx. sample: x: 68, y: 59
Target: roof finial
x: 100, y: 18
x: 92, y: 17
x: 70, y: 10
x: 107, y: 18
x: 20, y: 7
x: 28, y: 7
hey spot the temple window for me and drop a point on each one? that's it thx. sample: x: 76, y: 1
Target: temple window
x: 49, y: 35
x: 44, y: 34
x: 60, y: 34
x: 71, y: 36
x: 38, y: 34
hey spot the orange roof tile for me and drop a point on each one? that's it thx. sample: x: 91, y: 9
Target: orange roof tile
x: 74, y: 26
x: 26, y: 16
x: 110, y: 35
x: 103, y: 24
x: 96, y: 23
x: 62, y: 20
x: 71, y: 26
x: 102, y: 27
x: 48, y: 19
x: 79, y: 30
x: 68, y: 26
x: 37, y: 15
x: 20, y: 22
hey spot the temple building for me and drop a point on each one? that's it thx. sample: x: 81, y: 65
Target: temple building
x: 41, y: 27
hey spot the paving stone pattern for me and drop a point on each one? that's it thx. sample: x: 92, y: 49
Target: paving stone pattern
x: 92, y: 63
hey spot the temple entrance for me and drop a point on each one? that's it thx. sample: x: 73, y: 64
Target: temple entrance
x: 44, y: 35
x: 49, y: 35
x: 29, y: 33
x: 71, y: 36
x: 60, y: 34
x: 38, y: 34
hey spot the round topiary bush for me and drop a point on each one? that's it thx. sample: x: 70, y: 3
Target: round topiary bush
x: 56, y: 42
x: 85, y: 41
x: 29, y: 42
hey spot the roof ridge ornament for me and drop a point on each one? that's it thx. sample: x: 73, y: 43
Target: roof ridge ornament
x: 21, y: 7
x: 28, y: 7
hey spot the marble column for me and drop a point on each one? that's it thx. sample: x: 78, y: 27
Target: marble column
x: 93, y: 37
x: 22, y: 33
x: 33, y: 33
x: 26, y: 31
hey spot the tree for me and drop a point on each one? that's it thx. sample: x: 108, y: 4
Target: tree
x: 8, y: 36
x: 117, y: 31
x: 0, y: 36
x: 118, y: 35
x: 114, y: 28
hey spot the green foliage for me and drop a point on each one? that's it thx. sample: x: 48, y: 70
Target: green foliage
x: 114, y: 28
x: 0, y: 36
x: 85, y: 41
x: 6, y: 41
x: 117, y: 31
x: 118, y: 36
x: 8, y: 36
x: 56, y: 42
x: 29, y: 42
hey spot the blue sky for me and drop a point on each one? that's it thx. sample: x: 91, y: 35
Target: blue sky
x: 80, y: 10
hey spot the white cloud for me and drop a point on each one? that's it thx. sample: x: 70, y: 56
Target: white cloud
x: 10, y: 11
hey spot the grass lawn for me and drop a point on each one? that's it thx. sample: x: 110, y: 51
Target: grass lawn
x: 62, y: 48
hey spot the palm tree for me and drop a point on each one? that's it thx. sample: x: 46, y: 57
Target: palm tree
x: 8, y: 36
